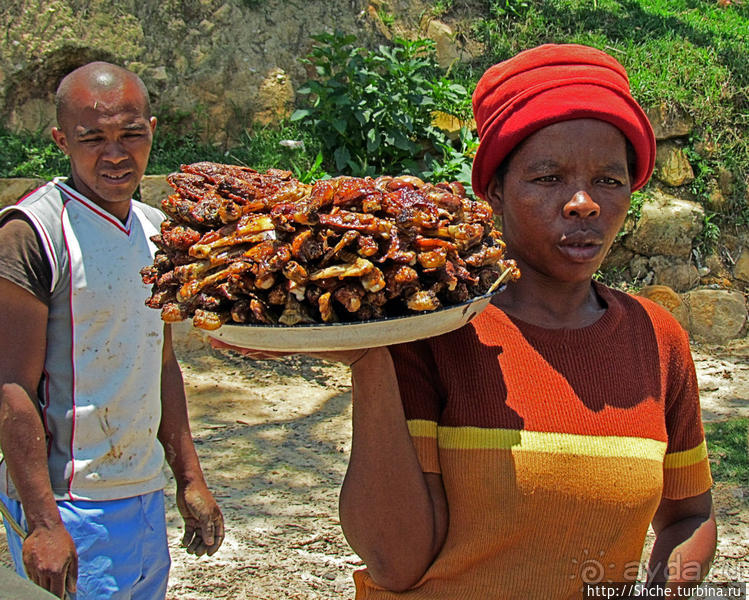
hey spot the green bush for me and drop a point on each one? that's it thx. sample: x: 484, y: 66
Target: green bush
x: 30, y: 155
x: 372, y: 110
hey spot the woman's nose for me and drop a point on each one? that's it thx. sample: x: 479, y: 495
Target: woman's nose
x: 581, y: 205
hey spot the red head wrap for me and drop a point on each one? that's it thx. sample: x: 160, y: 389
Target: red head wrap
x: 548, y: 84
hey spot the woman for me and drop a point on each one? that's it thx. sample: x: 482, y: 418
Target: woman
x: 527, y: 453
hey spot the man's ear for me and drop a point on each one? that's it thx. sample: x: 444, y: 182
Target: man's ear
x: 494, y: 195
x: 59, y: 137
x: 152, y: 124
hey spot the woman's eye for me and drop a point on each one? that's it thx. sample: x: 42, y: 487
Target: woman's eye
x: 547, y: 179
x: 610, y: 181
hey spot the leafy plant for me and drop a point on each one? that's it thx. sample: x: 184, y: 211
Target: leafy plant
x: 453, y: 164
x: 313, y: 172
x: 710, y: 234
x: 637, y: 199
x: 508, y: 8
x: 727, y: 449
x: 30, y: 154
x: 441, y: 7
x: 387, y: 18
x: 704, y: 169
x: 372, y: 110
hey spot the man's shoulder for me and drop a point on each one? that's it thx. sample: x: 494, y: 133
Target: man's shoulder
x: 46, y: 196
x: 41, y: 208
x: 154, y: 215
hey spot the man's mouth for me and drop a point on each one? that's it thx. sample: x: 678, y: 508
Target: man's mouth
x: 117, y: 177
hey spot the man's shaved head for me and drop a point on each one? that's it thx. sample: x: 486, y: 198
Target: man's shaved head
x: 98, y: 78
x: 105, y: 127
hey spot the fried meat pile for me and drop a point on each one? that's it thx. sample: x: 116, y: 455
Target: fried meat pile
x: 240, y: 246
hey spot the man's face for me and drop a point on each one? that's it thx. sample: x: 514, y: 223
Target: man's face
x: 107, y: 134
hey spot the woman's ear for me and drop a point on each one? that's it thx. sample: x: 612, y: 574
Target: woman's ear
x: 494, y: 195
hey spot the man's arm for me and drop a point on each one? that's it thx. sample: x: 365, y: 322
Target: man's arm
x: 204, y: 523
x: 685, y: 541
x: 49, y: 553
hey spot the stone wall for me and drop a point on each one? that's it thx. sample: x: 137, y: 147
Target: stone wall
x: 660, y: 252
x: 224, y: 63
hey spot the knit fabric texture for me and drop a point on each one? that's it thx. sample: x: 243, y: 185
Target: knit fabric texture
x: 554, y: 446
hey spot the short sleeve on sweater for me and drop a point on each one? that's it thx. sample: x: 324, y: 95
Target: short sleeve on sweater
x: 686, y: 470
x: 421, y: 394
x: 22, y: 260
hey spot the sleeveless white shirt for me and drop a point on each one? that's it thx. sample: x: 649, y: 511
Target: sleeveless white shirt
x: 99, y: 396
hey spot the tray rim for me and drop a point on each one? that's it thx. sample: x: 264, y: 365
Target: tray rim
x: 310, y: 328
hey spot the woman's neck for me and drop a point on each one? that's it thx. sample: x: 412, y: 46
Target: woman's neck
x: 552, y: 305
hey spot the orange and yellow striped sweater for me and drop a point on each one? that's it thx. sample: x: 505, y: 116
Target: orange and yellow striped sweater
x: 554, y: 446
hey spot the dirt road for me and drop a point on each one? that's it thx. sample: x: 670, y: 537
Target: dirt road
x: 273, y: 437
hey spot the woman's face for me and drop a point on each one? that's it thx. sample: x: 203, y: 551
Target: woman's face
x: 563, y: 198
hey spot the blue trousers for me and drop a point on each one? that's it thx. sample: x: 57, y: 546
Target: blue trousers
x: 122, y: 546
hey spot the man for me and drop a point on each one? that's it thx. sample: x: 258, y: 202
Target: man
x: 92, y: 397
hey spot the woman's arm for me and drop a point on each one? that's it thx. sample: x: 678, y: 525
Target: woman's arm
x: 685, y: 541
x: 393, y: 515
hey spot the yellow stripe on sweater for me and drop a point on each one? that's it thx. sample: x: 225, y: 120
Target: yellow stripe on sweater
x: 686, y: 458
x: 479, y: 438
x: 422, y: 428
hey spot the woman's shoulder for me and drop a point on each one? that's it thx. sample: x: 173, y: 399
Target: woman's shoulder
x: 666, y: 325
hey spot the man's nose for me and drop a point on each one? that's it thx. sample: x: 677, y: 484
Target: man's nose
x: 114, y: 152
x: 581, y: 205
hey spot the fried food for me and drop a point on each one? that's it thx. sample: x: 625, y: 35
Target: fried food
x: 248, y: 247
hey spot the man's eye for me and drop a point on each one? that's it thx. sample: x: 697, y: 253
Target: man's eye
x: 610, y: 181
x: 93, y: 140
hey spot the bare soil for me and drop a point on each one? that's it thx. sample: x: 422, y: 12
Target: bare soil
x: 274, y: 436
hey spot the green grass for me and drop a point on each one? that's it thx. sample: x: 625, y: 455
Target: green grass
x: 35, y: 154
x: 727, y: 449
x: 689, y: 54
x: 260, y: 149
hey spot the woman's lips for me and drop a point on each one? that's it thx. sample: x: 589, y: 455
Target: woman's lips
x: 580, y: 246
